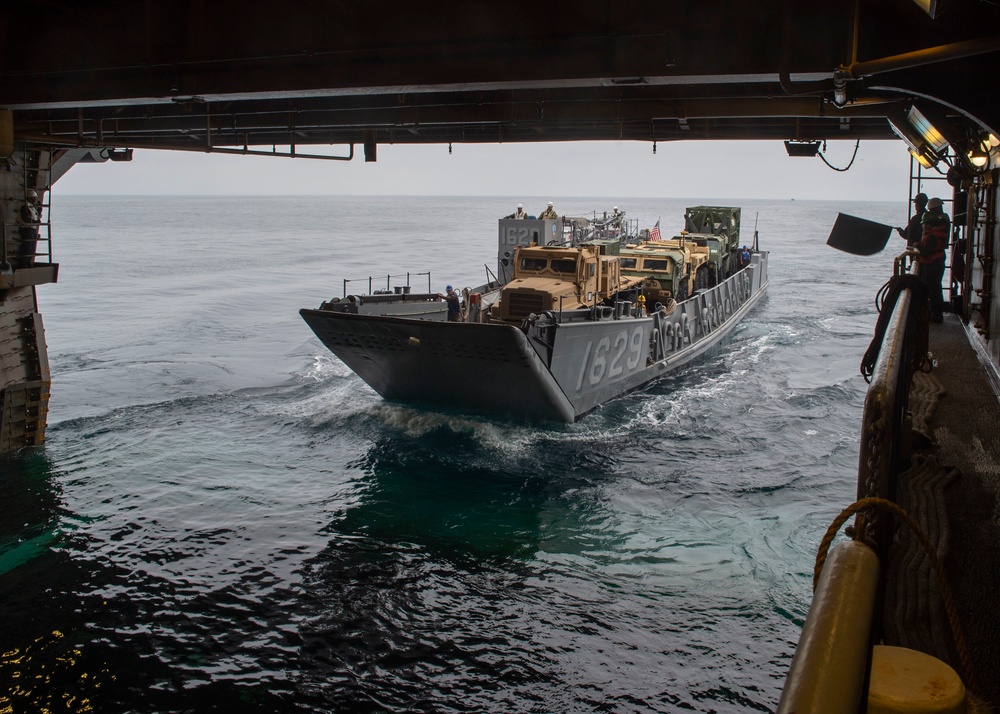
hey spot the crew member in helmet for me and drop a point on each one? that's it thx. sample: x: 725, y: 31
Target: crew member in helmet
x: 27, y: 229
x: 519, y: 214
x: 549, y: 212
x: 914, y: 230
x: 454, y: 306
x: 931, y: 259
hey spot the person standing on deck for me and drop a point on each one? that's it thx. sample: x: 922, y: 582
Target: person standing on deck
x: 549, y: 212
x: 744, y: 257
x: 27, y: 229
x: 931, y: 259
x: 519, y: 214
x: 914, y: 230
x: 454, y: 306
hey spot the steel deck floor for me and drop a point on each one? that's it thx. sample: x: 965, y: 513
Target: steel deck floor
x: 965, y: 429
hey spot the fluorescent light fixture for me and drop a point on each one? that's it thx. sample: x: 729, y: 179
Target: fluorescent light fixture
x: 802, y: 148
x: 931, y: 7
x: 901, y: 127
x: 928, y: 132
x: 926, y: 142
x: 925, y: 160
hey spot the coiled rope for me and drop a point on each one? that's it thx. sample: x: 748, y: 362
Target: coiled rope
x: 917, y: 321
x: 949, y: 603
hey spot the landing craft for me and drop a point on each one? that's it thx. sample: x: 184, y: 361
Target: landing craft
x: 566, y: 327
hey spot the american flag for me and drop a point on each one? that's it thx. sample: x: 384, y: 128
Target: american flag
x: 655, y: 233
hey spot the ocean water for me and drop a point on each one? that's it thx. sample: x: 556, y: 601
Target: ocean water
x: 225, y: 518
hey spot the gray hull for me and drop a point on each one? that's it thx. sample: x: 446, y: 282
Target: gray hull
x: 559, y: 368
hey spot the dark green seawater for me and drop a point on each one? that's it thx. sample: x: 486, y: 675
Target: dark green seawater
x: 225, y: 518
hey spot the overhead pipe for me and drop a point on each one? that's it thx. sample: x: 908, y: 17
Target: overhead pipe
x: 140, y: 144
x: 918, y: 58
x: 856, y: 69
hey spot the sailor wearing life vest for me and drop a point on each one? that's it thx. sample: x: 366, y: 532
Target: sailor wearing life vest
x: 932, y: 245
x: 744, y: 257
x: 454, y: 305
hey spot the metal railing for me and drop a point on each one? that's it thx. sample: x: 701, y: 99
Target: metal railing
x: 845, y: 615
x: 388, y: 282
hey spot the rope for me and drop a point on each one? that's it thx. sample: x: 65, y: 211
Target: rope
x: 916, y: 322
x: 949, y: 603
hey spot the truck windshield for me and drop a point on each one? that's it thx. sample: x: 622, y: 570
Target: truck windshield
x: 564, y: 265
x: 628, y: 262
x: 533, y: 263
x: 655, y: 264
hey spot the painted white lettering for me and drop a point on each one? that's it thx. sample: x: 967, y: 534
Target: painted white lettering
x: 583, y: 366
x: 635, y: 349
x: 621, y: 342
x: 600, y: 363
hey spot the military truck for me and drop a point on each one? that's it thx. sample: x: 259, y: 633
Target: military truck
x: 669, y: 269
x: 561, y: 278
x: 718, y: 229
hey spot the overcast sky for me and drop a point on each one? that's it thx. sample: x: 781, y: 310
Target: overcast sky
x: 724, y: 169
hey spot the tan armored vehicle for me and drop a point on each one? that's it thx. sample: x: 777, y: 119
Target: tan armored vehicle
x: 668, y: 269
x: 560, y: 278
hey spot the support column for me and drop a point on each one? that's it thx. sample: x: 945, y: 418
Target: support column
x: 24, y: 364
x: 24, y: 372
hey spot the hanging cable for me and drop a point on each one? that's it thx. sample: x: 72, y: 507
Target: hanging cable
x: 856, y: 145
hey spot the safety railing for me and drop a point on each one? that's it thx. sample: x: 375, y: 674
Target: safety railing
x: 829, y: 672
x: 389, y: 289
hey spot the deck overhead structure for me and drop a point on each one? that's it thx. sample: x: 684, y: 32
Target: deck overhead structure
x: 206, y: 75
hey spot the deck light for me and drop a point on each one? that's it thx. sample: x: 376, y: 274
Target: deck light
x: 928, y: 132
x: 120, y: 154
x: 979, y: 154
x: 978, y: 157
x: 926, y: 142
x: 931, y: 7
x: 924, y: 158
x: 802, y: 148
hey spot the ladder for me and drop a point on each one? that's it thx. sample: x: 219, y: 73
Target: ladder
x: 37, y: 167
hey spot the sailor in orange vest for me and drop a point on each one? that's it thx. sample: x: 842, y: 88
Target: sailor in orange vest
x: 931, y: 259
